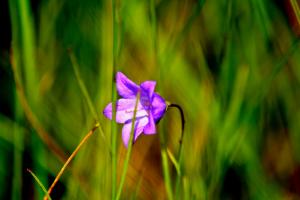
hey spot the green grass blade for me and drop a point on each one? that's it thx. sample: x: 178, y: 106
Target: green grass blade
x: 82, y: 86
x: 39, y: 183
x: 115, y: 52
x: 166, y: 173
x: 28, y: 48
x: 128, y: 153
x: 174, y: 161
x: 85, y: 92
x: 18, y: 139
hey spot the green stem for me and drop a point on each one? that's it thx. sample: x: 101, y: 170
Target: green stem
x: 154, y: 28
x: 18, y: 139
x: 40, y: 184
x: 114, y: 145
x: 114, y: 97
x: 85, y: 92
x: 82, y: 85
x: 128, y: 153
x: 166, y: 172
x: 165, y: 166
x: 28, y: 48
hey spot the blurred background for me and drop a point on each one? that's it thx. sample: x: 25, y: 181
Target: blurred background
x: 233, y: 66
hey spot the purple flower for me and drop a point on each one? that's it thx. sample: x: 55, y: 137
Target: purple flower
x: 151, y: 107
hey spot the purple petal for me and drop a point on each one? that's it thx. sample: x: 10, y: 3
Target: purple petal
x: 148, y: 87
x: 125, y: 110
x: 138, y: 129
x: 147, y: 90
x: 158, y: 107
x: 125, y: 87
x: 150, y: 127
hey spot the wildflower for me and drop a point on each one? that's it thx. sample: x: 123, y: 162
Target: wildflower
x: 150, y: 108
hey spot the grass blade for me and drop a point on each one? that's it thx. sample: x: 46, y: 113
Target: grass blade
x: 40, y: 183
x: 128, y: 153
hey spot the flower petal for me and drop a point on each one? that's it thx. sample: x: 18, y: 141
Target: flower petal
x: 147, y: 90
x: 150, y: 127
x: 148, y: 87
x: 125, y: 110
x: 125, y: 87
x: 158, y: 107
x: 138, y: 129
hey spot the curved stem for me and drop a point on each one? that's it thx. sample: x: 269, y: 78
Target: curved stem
x: 182, y: 120
x: 180, y: 146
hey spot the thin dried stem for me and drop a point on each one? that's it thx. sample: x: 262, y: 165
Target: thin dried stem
x: 70, y: 159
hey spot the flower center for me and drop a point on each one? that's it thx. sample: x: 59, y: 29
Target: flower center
x: 146, y: 103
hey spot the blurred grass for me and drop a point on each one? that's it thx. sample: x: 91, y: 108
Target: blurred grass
x: 233, y: 67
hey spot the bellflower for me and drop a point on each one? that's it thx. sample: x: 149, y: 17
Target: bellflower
x: 150, y: 108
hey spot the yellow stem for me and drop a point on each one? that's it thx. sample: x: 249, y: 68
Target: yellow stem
x: 70, y: 158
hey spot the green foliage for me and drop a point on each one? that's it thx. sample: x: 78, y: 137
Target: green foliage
x: 233, y: 66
